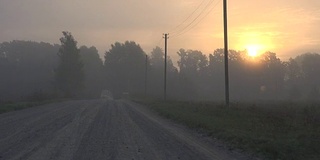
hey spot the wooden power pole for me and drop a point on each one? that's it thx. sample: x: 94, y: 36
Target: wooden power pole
x: 165, y: 66
x: 146, y: 76
x: 225, y: 20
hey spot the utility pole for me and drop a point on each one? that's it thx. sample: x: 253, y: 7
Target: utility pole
x: 146, y: 77
x: 165, y: 66
x: 226, y: 67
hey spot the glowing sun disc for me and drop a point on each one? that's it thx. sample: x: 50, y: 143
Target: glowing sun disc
x: 252, y: 51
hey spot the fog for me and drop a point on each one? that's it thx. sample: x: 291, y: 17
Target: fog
x: 39, y: 71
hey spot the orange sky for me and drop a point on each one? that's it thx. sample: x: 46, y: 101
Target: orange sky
x: 287, y: 27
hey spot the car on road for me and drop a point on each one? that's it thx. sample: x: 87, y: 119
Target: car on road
x: 106, y: 94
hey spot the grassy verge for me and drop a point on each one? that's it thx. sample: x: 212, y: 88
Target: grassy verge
x: 13, y: 106
x: 276, y: 131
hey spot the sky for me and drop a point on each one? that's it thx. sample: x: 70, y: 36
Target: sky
x: 286, y: 27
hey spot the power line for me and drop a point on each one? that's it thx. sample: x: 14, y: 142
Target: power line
x: 159, y: 41
x: 173, y: 30
x: 177, y: 32
x: 177, y: 35
x: 194, y: 22
x: 202, y: 11
x: 196, y: 18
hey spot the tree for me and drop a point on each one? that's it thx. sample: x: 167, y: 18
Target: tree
x: 93, y: 66
x: 192, y: 62
x: 293, y: 79
x: 156, y: 76
x: 69, y: 76
x: 193, y: 71
x: 272, y: 75
x: 124, y: 68
x: 310, y: 68
x: 240, y: 79
x: 27, y: 66
x: 157, y: 58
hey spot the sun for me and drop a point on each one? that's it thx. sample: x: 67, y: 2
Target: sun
x: 253, y: 50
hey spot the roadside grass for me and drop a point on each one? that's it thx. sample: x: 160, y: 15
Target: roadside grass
x: 275, y: 131
x: 14, y: 106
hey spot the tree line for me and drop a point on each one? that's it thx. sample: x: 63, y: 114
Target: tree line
x: 37, y: 71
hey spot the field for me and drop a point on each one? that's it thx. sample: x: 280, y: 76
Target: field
x: 271, y: 130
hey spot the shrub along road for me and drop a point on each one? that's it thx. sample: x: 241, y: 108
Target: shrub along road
x: 98, y: 129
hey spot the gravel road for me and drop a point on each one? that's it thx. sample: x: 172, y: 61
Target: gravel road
x: 99, y: 130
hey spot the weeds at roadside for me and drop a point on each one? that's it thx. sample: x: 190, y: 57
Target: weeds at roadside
x: 14, y: 106
x: 276, y: 131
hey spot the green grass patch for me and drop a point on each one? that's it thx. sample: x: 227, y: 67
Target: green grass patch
x: 276, y: 131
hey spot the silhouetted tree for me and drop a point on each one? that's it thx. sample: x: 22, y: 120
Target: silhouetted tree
x: 293, y: 79
x: 125, y: 67
x: 26, y: 70
x: 93, y: 67
x: 156, y: 76
x: 157, y: 57
x: 310, y: 69
x: 192, y: 61
x: 240, y: 77
x: 193, y: 69
x: 69, y: 76
x: 272, y: 75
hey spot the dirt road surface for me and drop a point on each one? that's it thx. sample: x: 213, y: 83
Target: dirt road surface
x: 99, y: 130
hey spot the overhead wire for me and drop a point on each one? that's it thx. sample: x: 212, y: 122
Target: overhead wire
x: 194, y: 20
x: 183, y: 32
x: 173, y: 29
x: 159, y: 41
x: 175, y: 32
